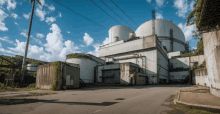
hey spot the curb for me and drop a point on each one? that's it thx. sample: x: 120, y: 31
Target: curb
x: 197, y: 106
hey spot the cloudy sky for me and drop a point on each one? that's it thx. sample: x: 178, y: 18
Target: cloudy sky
x: 57, y: 31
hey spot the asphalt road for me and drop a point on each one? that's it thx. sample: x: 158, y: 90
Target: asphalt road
x: 105, y: 100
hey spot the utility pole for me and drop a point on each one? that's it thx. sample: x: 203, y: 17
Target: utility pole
x: 27, y: 42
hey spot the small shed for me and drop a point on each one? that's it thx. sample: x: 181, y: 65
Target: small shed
x: 58, y: 75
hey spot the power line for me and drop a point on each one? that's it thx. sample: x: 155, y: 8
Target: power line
x: 77, y: 13
x: 123, y: 11
x: 113, y: 11
x: 104, y: 11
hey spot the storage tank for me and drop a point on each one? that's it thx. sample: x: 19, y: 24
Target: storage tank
x: 120, y: 31
x: 86, y: 66
x: 162, y: 30
x: 32, y: 68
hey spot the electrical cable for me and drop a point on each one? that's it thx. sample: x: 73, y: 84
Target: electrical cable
x: 103, y: 11
x: 113, y: 11
x: 123, y: 12
x: 77, y: 13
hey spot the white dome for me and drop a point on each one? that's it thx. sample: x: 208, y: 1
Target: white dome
x: 162, y: 30
x: 120, y: 31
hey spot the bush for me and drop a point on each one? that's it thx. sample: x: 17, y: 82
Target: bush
x: 32, y: 85
x: 2, y: 85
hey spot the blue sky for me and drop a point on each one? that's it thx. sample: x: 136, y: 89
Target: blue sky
x: 56, y: 31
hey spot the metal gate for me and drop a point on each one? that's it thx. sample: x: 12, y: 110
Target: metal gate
x: 111, y: 76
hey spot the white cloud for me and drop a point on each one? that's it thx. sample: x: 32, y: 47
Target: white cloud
x: 16, y: 23
x: 33, y: 50
x: 39, y: 35
x: 11, y: 4
x: 187, y: 30
x: 50, y: 20
x: 148, y: 1
x: 37, y: 40
x: 96, y: 46
x: 55, y: 45
x: 27, y: 15
x: 6, y: 39
x: 160, y: 2
x: 95, y: 52
x: 191, y: 5
x: 2, y: 2
x: 182, y: 7
x: 106, y: 41
x: 87, y: 39
x: 159, y: 15
x: 3, y: 15
x: 40, y: 13
x: 59, y: 15
x: 23, y: 33
x: 55, y: 48
x: 14, y: 15
x: 51, y: 8
x: 68, y: 32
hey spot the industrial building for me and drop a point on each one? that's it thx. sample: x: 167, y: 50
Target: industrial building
x: 149, y: 50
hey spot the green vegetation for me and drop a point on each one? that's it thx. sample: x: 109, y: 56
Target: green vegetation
x: 192, y: 110
x: 198, y: 51
x: 75, y: 55
x: 55, y: 84
x: 30, y: 87
x: 34, y: 74
x: 18, y: 58
x: 195, y: 14
x: 203, y: 65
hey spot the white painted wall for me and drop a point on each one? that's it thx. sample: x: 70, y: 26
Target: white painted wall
x: 173, y: 54
x: 121, y: 48
x: 86, y: 68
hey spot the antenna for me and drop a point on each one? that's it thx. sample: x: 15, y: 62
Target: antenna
x: 153, y: 22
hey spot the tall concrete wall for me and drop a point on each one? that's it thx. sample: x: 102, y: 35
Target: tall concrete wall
x: 211, y: 43
x: 162, y: 66
x: 200, y: 77
x: 200, y: 59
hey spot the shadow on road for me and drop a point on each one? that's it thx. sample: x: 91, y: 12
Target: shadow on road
x: 26, y: 101
x: 95, y: 87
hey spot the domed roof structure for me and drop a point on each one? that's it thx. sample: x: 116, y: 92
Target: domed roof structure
x: 162, y: 30
x: 119, y: 32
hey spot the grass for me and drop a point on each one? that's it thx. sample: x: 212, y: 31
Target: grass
x: 192, y: 110
x: 30, y: 87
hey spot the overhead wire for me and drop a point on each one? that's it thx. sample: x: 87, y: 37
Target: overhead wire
x: 113, y: 11
x: 103, y: 10
x: 78, y: 13
x: 123, y: 11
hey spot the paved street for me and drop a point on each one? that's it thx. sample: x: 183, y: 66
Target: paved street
x: 104, y: 100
